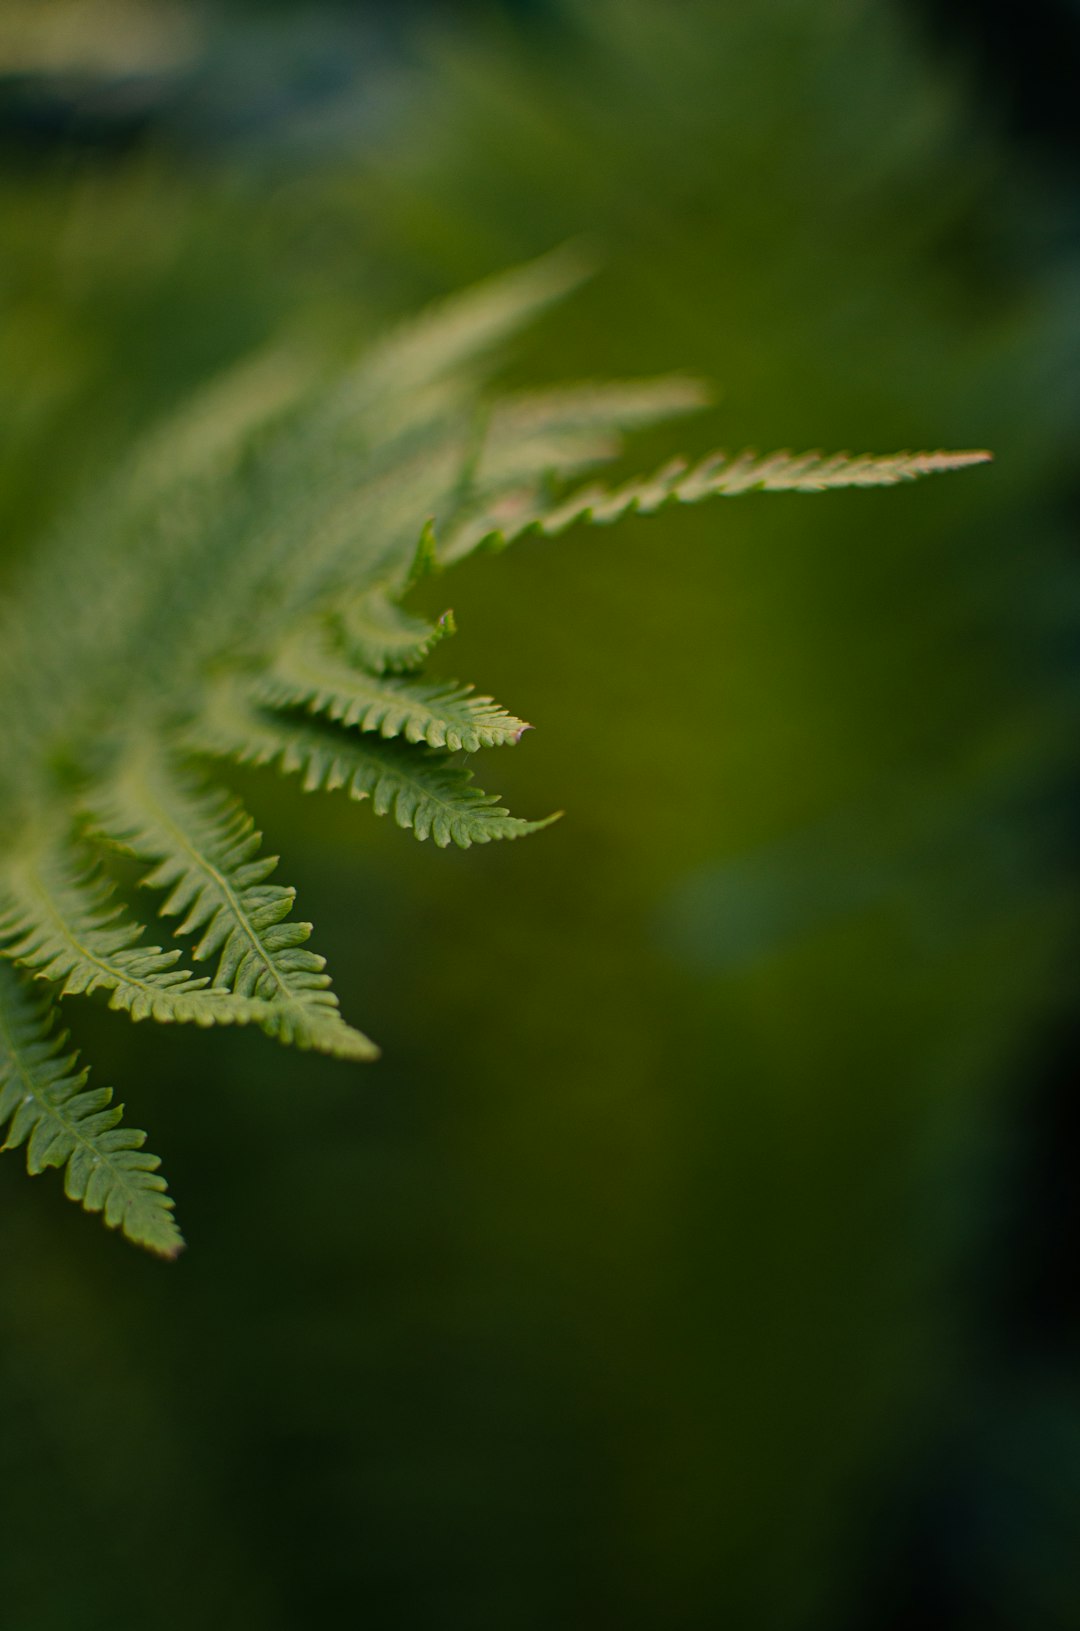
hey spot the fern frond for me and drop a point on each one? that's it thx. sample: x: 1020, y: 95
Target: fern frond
x: 46, y: 1105
x: 422, y: 789
x: 559, y: 432
x: 238, y: 592
x: 458, y: 331
x: 204, y: 851
x: 718, y: 475
x: 59, y: 918
x: 381, y: 636
x: 308, y: 673
x: 610, y: 405
x: 206, y: 437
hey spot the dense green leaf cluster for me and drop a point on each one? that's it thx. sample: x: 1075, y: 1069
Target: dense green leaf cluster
x: 237, y: 594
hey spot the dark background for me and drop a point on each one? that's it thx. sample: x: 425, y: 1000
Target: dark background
x: 701, y: 1252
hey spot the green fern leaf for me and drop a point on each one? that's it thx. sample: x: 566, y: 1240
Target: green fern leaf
x: 423, y: 790
x: 559, y: 432
x: 381, y: 636
x: 308, y: 673
x: 718, y: 475
x: 458, y: 331
x: 59, y: 917
x: 46, y: 1105
x: 205, y: 853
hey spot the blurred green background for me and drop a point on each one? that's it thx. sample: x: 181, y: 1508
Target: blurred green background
x: 700, y: 1253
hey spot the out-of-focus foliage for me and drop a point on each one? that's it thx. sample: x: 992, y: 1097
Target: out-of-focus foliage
x: 664, y: 1272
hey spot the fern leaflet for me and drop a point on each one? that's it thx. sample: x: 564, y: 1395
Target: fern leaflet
x: 205, y: 853
x: 718, y: 475
x: 46, y: 1105
x: 380, y: 635
x: 307, y: 673
x: 423, y: 790
x: 59, y: 918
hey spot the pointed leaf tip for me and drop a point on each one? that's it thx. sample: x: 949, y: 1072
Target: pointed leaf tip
x: 168, y: 1254
x: 425, y: 562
